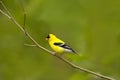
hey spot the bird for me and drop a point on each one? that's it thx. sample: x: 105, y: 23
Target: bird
x: 58, y: 45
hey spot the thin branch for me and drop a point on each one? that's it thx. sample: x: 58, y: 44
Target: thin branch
x: 31, y: 45
x: 24, y: 13
x: 85, y: 70
x: 5, y: 8
x: 9, y: 16
x: 5, y: 14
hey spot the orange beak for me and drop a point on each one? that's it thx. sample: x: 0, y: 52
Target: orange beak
x: 46, y: 39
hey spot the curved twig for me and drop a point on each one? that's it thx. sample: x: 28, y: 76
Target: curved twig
x: 9, y: 16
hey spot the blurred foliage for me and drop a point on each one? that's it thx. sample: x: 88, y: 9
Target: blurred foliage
x: 91, y: 27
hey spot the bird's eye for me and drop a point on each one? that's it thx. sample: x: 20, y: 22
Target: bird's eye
x: 48, y: 36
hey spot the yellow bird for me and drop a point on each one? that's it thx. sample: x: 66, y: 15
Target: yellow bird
x: 58, y: 45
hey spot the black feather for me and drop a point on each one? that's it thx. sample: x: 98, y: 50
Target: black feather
x: 65, y: 46
x: 48, y: 36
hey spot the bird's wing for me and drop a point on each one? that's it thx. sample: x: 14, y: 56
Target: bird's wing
x: 68, y: 48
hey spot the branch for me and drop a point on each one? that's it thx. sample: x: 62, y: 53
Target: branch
x: 31, y: 45
x: 24, y: 12
x: 9, y: 16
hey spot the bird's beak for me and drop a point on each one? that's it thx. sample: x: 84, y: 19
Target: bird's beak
x: 46, y: 39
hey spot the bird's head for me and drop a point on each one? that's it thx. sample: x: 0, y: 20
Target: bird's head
x: 50, y: 37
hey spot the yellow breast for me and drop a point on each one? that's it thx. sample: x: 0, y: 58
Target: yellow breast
x: 56, y: 48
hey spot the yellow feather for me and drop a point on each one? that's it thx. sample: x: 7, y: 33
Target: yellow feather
x: 53, y: 39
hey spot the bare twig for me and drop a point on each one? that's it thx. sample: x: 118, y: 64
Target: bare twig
x: 31, y: 45
x: 24, y: 13
x: 5, y: 8
x: 5, y: 14
x: 9, y: 16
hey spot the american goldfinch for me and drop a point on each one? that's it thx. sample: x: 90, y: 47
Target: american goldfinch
x: 58, y: 45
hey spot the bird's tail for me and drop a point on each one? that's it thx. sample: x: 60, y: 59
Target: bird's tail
x: 76, y: 53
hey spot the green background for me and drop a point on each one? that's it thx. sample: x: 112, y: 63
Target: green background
x: 91, y: 27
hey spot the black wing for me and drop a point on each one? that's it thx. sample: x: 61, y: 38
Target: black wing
x: 68, y: 48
